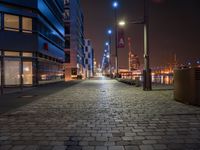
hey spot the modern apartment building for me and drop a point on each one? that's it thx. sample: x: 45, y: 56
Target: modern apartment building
x: 74, y: 39
x: 89, y: 59
x: 31, y: 42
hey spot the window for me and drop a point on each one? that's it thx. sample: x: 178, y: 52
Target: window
x: 67, y: 42
x: 67, y: 28
x: 66, y: 14
x: 11, y: 22
x: 25, y: 54
x: 86, y: 61
x: 7, y: 53
x: 66, y: 2
x: 27, y: 73
x: 12, y: 71
x: 27, y: 25
x: 67, y: 57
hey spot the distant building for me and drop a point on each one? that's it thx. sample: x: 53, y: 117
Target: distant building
x: 95, y: 67
x: 134, y: 63
x: 89, y: 59
x: 133, y: 59
x: 31, y: 42
x: 74, y: 39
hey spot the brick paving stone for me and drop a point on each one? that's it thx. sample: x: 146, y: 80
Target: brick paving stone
x: 32, y: 147
x: 149, y: 142
x: 101, y: 148
x: 18, y: 148
x: 160, y: 146
x: 59, y: 147
x: 88, y: 148
x: 116, y: 148
x: 131, y: 148
x: 5, y: 147
x: 102, y: 113
x: 146, y: 147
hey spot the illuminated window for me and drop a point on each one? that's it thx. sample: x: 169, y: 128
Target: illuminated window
x: 12, y: 72
x: 27, y: 25
x: 27, y: 73
x: 11, y: 22
x: 7, y: 53
x: 25, y: 54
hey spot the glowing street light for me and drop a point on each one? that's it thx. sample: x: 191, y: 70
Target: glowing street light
x: 109, y: 32
x: 122, y: 23
x: 109, y: 48
x: 115, y: 4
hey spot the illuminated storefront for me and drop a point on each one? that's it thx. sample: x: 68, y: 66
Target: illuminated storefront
x: 31, y: 42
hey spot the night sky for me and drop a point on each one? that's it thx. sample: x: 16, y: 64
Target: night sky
x: 174, y: 28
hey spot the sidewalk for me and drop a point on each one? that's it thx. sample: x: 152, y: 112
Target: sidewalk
x: 15, y: 98
x: 101, y: 115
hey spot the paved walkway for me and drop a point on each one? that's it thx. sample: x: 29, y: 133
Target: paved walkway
x: 102, y: 115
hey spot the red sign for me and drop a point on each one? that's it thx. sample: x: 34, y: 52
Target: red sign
x: 120, y: 38
x: 46, y: 47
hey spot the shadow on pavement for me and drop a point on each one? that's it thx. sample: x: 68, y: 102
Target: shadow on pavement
x: 14, y: 100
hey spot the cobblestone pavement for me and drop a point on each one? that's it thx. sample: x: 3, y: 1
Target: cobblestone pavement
x: 102, y: 115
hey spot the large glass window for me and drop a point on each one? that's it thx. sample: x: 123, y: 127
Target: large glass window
x: 11, y: 22
x: 12, y: 71
x: 27, y: 73
x: 27, y: 25
x: 26, y: 54
x: 8, y: 53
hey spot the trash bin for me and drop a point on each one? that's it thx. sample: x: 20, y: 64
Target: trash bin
x: 187, y: 85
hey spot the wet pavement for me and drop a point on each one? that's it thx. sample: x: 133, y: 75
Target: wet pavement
x: 101, y: 115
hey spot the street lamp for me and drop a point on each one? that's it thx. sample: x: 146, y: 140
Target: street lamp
x: 147, y: 71
x: 115, y: 6
x: 109, y: 32
x: 109, y: 48
x: 122, y: 23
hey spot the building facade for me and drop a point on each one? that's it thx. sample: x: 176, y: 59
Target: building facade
x: 31, y: 42
x: 74, y: 39
x: 88, y: 59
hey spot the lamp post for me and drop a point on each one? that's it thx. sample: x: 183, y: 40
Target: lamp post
x: 110, y: 40
x: 115, y: 6
x: 147, y: 71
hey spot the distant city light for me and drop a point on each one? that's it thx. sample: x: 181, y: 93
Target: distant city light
x: 107, y: 43
x: 108, y: 56
x: 115, y: 4
x: 198, y: 62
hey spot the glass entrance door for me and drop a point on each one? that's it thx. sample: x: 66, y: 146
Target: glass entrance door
x: 27, y: 73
